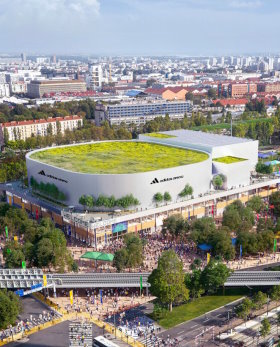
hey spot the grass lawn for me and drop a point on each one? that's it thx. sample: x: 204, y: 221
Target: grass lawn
x: 228, y: 160
x: 118, y: 157
x: 195, y: 309
x: 160, y: 136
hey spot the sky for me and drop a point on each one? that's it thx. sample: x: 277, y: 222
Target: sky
x: 140, y: 27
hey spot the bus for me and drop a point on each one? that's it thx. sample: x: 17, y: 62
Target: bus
x: 101, y: 341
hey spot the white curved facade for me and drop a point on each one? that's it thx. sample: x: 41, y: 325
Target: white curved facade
x: 142, y: 186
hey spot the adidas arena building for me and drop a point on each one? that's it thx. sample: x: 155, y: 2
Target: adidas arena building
x: 155, y: 163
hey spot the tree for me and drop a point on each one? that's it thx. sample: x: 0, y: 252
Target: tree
x: 120, y: 259
x: 265, y: 327
x: 193, y: 283
x: 167, y: 197
x: 175, y: 226
x: 238, y: 217
x: 189, y: 96
x: 214, y: 276
x: 158, y: 198
x: 45, y: 252
x: 212, y: 93
x: 244, y: 309
x: 10, y: 307
x: 255, y: 203
x: 259, y: 300
x: 188, y: 190
x: 218, y: 181
x: 167, y: 280
x: 202, y: 229
x: 221, y: 243
x: 274, y: 200
x: 275, y: 294
x: 131, y: 255
x: 264, y: 169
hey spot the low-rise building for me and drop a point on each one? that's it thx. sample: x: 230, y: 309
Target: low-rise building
x: 169, y: 93
x: 141, y: 112
x: 37, y: 89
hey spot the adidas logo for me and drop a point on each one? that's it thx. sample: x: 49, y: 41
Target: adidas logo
x: 155, y: 180
x: 42, y: 173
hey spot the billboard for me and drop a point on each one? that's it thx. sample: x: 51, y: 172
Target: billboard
x: 118, y: 227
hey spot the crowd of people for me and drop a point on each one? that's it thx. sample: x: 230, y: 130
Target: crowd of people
x: 100, y: 303
x: 27, y: 324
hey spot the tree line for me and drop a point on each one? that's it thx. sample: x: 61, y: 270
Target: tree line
x: 84, y: 108
x: 237, y: 223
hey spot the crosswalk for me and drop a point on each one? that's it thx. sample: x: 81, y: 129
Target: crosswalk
x: 80, y: 334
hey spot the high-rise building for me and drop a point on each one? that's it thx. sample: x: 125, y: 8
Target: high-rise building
x: 95, y: 77
x: 23, y: 57
x: 53, y: 59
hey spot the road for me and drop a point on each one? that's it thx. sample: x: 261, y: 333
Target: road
x: 187, y: 332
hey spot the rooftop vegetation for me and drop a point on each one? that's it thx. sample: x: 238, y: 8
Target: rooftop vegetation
x: 118, y: 157
x: 159, y: 135
x: 228, y: 160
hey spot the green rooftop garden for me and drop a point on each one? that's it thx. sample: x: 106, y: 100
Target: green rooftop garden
x: 118, y: 157
x: 159, y: 135
x: 228, y: 160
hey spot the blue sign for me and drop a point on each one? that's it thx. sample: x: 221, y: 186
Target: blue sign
x: 19, y: 292
x: 118, y: 227
x: 69, y: 230
x: 101, y: 299
x: 240, y: 250
x: 35, y: 286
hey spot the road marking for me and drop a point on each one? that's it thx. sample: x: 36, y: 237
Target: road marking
x: 194, y: 326
x: 219, y: 315
x: 181, y: 332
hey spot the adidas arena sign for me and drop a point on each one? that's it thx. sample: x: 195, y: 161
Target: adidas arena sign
x: 155, y: 180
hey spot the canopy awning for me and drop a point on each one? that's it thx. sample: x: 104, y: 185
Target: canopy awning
x: 98, y: 256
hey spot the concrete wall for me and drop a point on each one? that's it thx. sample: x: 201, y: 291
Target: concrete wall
x: 248, y: 150
x: 237, y: 174
x: 172, y: 180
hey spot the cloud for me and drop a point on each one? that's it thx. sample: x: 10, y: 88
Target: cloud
x: 45, y: 8
x: 245, y: 4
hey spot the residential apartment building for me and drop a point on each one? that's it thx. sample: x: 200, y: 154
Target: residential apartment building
x: 39, y: 127
x: 37, y: 89
x: 269, y: 87
x: 95, y: 77
x: 141, y: 112
x: 236, y: 90
x: 4, y: 90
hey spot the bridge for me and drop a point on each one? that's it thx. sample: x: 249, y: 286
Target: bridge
x: 253, y: 279
x: 28, y: 278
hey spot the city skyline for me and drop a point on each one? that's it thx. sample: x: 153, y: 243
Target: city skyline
x: 122, y: 27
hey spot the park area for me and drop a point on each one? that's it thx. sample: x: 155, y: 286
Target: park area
x: 194, y: 309
x: 118, y: 157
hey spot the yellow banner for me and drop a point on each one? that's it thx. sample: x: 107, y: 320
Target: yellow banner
x: 15, y: 238
x: 208, y: 257
x: 45, y: 282
x: 71, y: 297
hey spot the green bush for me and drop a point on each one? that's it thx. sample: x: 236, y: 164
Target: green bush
x: 48, y: 189
x: 264, y: 169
